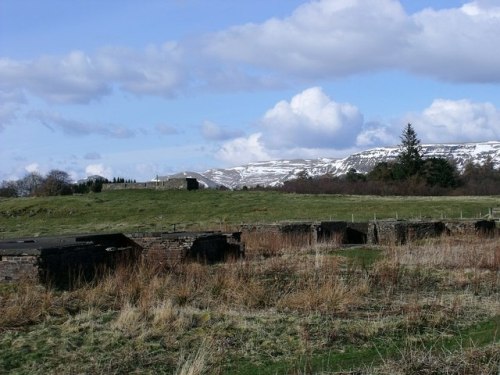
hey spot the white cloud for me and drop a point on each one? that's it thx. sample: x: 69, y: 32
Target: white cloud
x: 311, y: 119
x: 329, y: 37
x: 32, y: 168
x: 243, y: 150
x: 99, y: 169
x: 332, y: 38
x: 377, y: 134
x: 312, y: 125
x: 81, y: 78
x: 158, y: 70
x: 72, y: 78
x: 321, y: 39
x: 457, y: 44
x: 457, y: 121
x: 309, y: 125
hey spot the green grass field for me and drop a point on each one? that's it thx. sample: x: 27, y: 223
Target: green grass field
x: 147, y: 210
x: 429, y: 307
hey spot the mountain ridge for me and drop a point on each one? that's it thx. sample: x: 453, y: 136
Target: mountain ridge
x: 276, y: 172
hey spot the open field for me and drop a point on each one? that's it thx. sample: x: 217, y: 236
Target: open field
x: 144, y: 210
x: 431, y: 307
x: 424, y: 308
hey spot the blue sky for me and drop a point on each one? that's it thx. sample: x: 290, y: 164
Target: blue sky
x: 140, y: 88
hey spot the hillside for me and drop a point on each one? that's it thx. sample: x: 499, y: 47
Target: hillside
x: 274, y: 173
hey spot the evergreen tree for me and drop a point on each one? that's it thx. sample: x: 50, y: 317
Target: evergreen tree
x: 439, y: 172
x: 382, y: 171
x: 353, y: 175
x: 409, y: 158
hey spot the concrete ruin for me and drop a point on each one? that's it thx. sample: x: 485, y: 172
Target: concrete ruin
x: 166, y: 249
x: 62, y: 261
x: 262, y: 238
x: 399, y: 232
x: 377, y: 232
x: 342, y: 232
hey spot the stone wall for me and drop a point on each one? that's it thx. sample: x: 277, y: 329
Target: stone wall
x: 163, y: 250
x: 14, y: 268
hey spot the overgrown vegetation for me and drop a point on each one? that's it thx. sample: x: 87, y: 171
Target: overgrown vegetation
x: 430, y: 307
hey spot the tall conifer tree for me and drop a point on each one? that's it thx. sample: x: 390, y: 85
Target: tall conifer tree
x: 409, y: 158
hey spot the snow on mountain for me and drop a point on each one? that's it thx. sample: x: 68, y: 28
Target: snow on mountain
x: 274, y: 173
x: 269, y: 173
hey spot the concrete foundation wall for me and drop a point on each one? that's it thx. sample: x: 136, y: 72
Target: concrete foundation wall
x: 16, y: 268
x: 65, y: 260
x: 397, y: 232
x: 271, y: 239
x: 61, y: 261
x: 165, y: 250
x: 472, y: 227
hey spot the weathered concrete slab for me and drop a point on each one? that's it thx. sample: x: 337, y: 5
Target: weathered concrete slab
x: 61, y: 261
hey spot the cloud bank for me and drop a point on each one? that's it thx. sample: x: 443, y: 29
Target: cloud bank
x: 322, y: 39
x: 312, y: 125
x: 334, y: 38
x: 459, y: 120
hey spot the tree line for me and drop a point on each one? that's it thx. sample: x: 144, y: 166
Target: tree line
x: 409, y: 174
x: 55, y: 182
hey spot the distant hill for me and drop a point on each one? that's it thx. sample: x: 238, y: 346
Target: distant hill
x: 274, y: 173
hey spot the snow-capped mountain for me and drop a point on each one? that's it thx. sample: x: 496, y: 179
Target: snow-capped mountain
x: 274, y: 173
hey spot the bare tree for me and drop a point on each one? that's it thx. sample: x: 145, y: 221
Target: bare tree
x: 56, y: 183
x: 29, y: 184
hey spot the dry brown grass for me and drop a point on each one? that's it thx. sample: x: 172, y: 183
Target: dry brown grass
x: 452, y: 252
x: 301, y: 301
x: 28, y: 303
x: 195, y: 363
x: 274, y: 243
x: 421, y: 361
